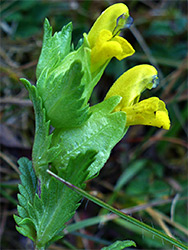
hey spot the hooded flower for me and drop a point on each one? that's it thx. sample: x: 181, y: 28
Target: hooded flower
x: 129, y: 86
x: 104, y: 38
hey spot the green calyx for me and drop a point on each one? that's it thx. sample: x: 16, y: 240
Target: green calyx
x: 62, y: 97
x: 65, y: 81
x: 54, y: 48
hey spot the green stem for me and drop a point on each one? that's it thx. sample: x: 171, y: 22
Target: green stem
x: 121, y: 214
x: 39, y: 248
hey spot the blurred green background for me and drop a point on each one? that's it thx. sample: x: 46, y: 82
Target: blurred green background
x: 147, y: 171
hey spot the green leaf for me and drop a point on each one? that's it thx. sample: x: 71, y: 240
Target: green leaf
x: 22, y: 200
x: 62, y: 96
x: 26, y: 227
x: 33, y: 214
x: 118, y: 245
x: 42, y: 153
x: 103, y: 130
x: 22, y: 211
x: 27, y: 188
x: 39, y: 207
x: 54, y: 48
x: 59, y: 202
x: 28, y: 185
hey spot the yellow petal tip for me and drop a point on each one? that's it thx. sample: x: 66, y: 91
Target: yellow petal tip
x: 151, y: 111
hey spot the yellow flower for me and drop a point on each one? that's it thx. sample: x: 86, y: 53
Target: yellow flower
x: 129, y: 86
x: 104, y: 38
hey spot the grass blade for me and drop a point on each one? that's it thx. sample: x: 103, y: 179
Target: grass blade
x: 121, y: 214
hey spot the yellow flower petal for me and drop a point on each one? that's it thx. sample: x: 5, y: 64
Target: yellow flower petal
x: 127, y: 49
x: 132, y: 83
x: 99, y: 55
x: 108, y: 21
x: 150, y: 112
x: 107, y: 47
x: 105, y: 31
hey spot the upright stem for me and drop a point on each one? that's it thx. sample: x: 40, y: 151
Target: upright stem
x: 39, y: 248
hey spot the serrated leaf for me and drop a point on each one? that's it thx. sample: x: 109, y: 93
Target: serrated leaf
x: 119, y: 245
x: 22, y: 211
x: 28, y: 185
x: 17, y: 219
x: 26, y: 221
x: 27, y: 188
x: 77, y: 169
x: 101, y: 132
x: 42, y: 139
x: 25, y: 227
x: 62, y: 95
x: 33, y: 214
x: 61, y: 202
x: 54, y: 48
x: 25, y: 183
x: 22, y: 200
x: 23, y: 191
x: 38, y: 205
